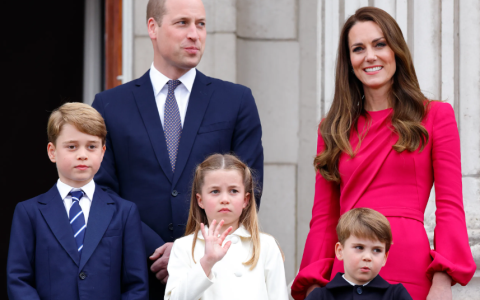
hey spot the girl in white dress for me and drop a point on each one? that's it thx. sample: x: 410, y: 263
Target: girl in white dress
x: 223, y: 255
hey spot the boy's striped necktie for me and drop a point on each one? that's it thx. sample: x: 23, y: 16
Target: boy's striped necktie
x: 77, y: 219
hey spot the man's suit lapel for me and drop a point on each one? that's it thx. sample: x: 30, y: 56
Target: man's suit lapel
x: 54, y: 213
x: 197, y: 105
x: 147, y: 106
x: 101, y: 213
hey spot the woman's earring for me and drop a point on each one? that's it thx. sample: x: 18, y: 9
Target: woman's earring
x: 351, y: 70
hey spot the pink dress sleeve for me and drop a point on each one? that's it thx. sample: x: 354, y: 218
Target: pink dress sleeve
x: 452, y: 252
x: 319, y: 252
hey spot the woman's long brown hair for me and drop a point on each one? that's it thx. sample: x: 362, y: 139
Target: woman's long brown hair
x: 407, y: 100
x: 248, y: 218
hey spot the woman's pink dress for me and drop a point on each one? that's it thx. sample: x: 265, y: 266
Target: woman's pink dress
x: 397, y: 185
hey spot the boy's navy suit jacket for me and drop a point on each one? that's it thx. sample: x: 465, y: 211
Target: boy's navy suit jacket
x: 43, y: 262
x: 377, y: 289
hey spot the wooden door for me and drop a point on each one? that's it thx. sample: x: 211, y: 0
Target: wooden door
x: 113, y: 43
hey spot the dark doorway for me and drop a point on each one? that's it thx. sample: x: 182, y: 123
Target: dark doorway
x: 42, y: 62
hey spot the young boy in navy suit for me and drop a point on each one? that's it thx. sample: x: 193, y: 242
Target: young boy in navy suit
x: 76, y: 241
x: 364, y: 237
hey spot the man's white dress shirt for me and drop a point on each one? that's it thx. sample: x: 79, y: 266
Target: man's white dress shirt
x: 85, y: 202
x: 182, y: 92
x: 229, y: 278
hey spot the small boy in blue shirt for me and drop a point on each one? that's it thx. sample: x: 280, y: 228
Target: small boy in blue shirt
x: 364, y: 237
x: 76, y: 241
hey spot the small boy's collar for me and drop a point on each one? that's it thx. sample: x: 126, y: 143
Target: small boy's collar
x: 64, y: 189
x: 351, y: 283
x: 338, y: 281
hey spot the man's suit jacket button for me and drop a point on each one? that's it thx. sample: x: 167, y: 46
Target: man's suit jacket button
x: 82, y: 275
x: 170, y: 226
x: 174, y: 193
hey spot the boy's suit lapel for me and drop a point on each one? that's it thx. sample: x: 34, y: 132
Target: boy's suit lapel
x: 147, y: 106
x: 197, y: 105
x: 101, y: 213
x: 53, y: 210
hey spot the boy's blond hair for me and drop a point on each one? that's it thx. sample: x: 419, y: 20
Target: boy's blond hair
x: 84, y: 117
x: 364, y: 223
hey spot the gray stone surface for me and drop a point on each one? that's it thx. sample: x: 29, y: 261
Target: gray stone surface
x: 143, y: 55
x: 469, y: 114
x: 219, y: 58
x: 309, y: 110
x: 427, y: 42
x: 277, y: 211
x: 271, y: 70
x: 221, y: 15
x: 267, y: 19
x: 469, y: 292
x: 140, y: 17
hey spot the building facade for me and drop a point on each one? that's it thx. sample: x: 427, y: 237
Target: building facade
x: 285, y: 51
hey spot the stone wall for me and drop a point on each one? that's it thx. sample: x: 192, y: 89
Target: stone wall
x: 285, y: 51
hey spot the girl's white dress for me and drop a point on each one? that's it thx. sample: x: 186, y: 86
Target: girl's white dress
x: 229, y: 279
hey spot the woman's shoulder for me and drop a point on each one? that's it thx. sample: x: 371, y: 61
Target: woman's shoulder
x: 436, y: 106
x: 436, y: 109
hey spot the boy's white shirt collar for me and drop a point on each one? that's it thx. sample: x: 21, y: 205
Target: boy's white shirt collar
x: 64, y: 189
x: 241, y: 232
x: 351, y: 283
x: 159, y: 80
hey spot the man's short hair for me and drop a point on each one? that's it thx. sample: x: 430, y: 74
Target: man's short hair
x: 84, y: 117
x: 156, y: 10
x: 364, y: 223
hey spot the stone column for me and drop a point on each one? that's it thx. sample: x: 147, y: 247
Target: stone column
x: 268, y: 62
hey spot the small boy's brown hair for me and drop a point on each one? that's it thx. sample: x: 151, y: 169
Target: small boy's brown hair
x: 84, y: 117
x: 364, y: 223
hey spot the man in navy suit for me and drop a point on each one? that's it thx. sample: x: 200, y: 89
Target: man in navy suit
x: 163, y: 124
x: 76, y: 241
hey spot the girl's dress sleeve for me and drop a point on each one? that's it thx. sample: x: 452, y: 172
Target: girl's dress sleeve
x: 186, y: 280
x: 319, y: 253
x: 451, y: 252
x: 274, y: 271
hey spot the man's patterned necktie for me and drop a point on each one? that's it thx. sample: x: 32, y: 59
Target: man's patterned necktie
x: 172, y: 125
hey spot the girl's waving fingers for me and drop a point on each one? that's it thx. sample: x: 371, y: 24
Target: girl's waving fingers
x: 224, y: 235
x: 211, y: 228
x: 226, y: 247
x: 217, y: 231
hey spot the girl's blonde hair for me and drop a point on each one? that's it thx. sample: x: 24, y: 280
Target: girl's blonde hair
x: 248, y: 218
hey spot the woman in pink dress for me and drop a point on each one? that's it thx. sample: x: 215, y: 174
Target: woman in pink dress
x: 382, y: 145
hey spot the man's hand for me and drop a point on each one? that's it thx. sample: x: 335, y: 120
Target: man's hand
x: 161, y: 256
x: 441, y: 288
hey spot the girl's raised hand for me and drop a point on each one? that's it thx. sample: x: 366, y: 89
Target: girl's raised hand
x: 214, y: 251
